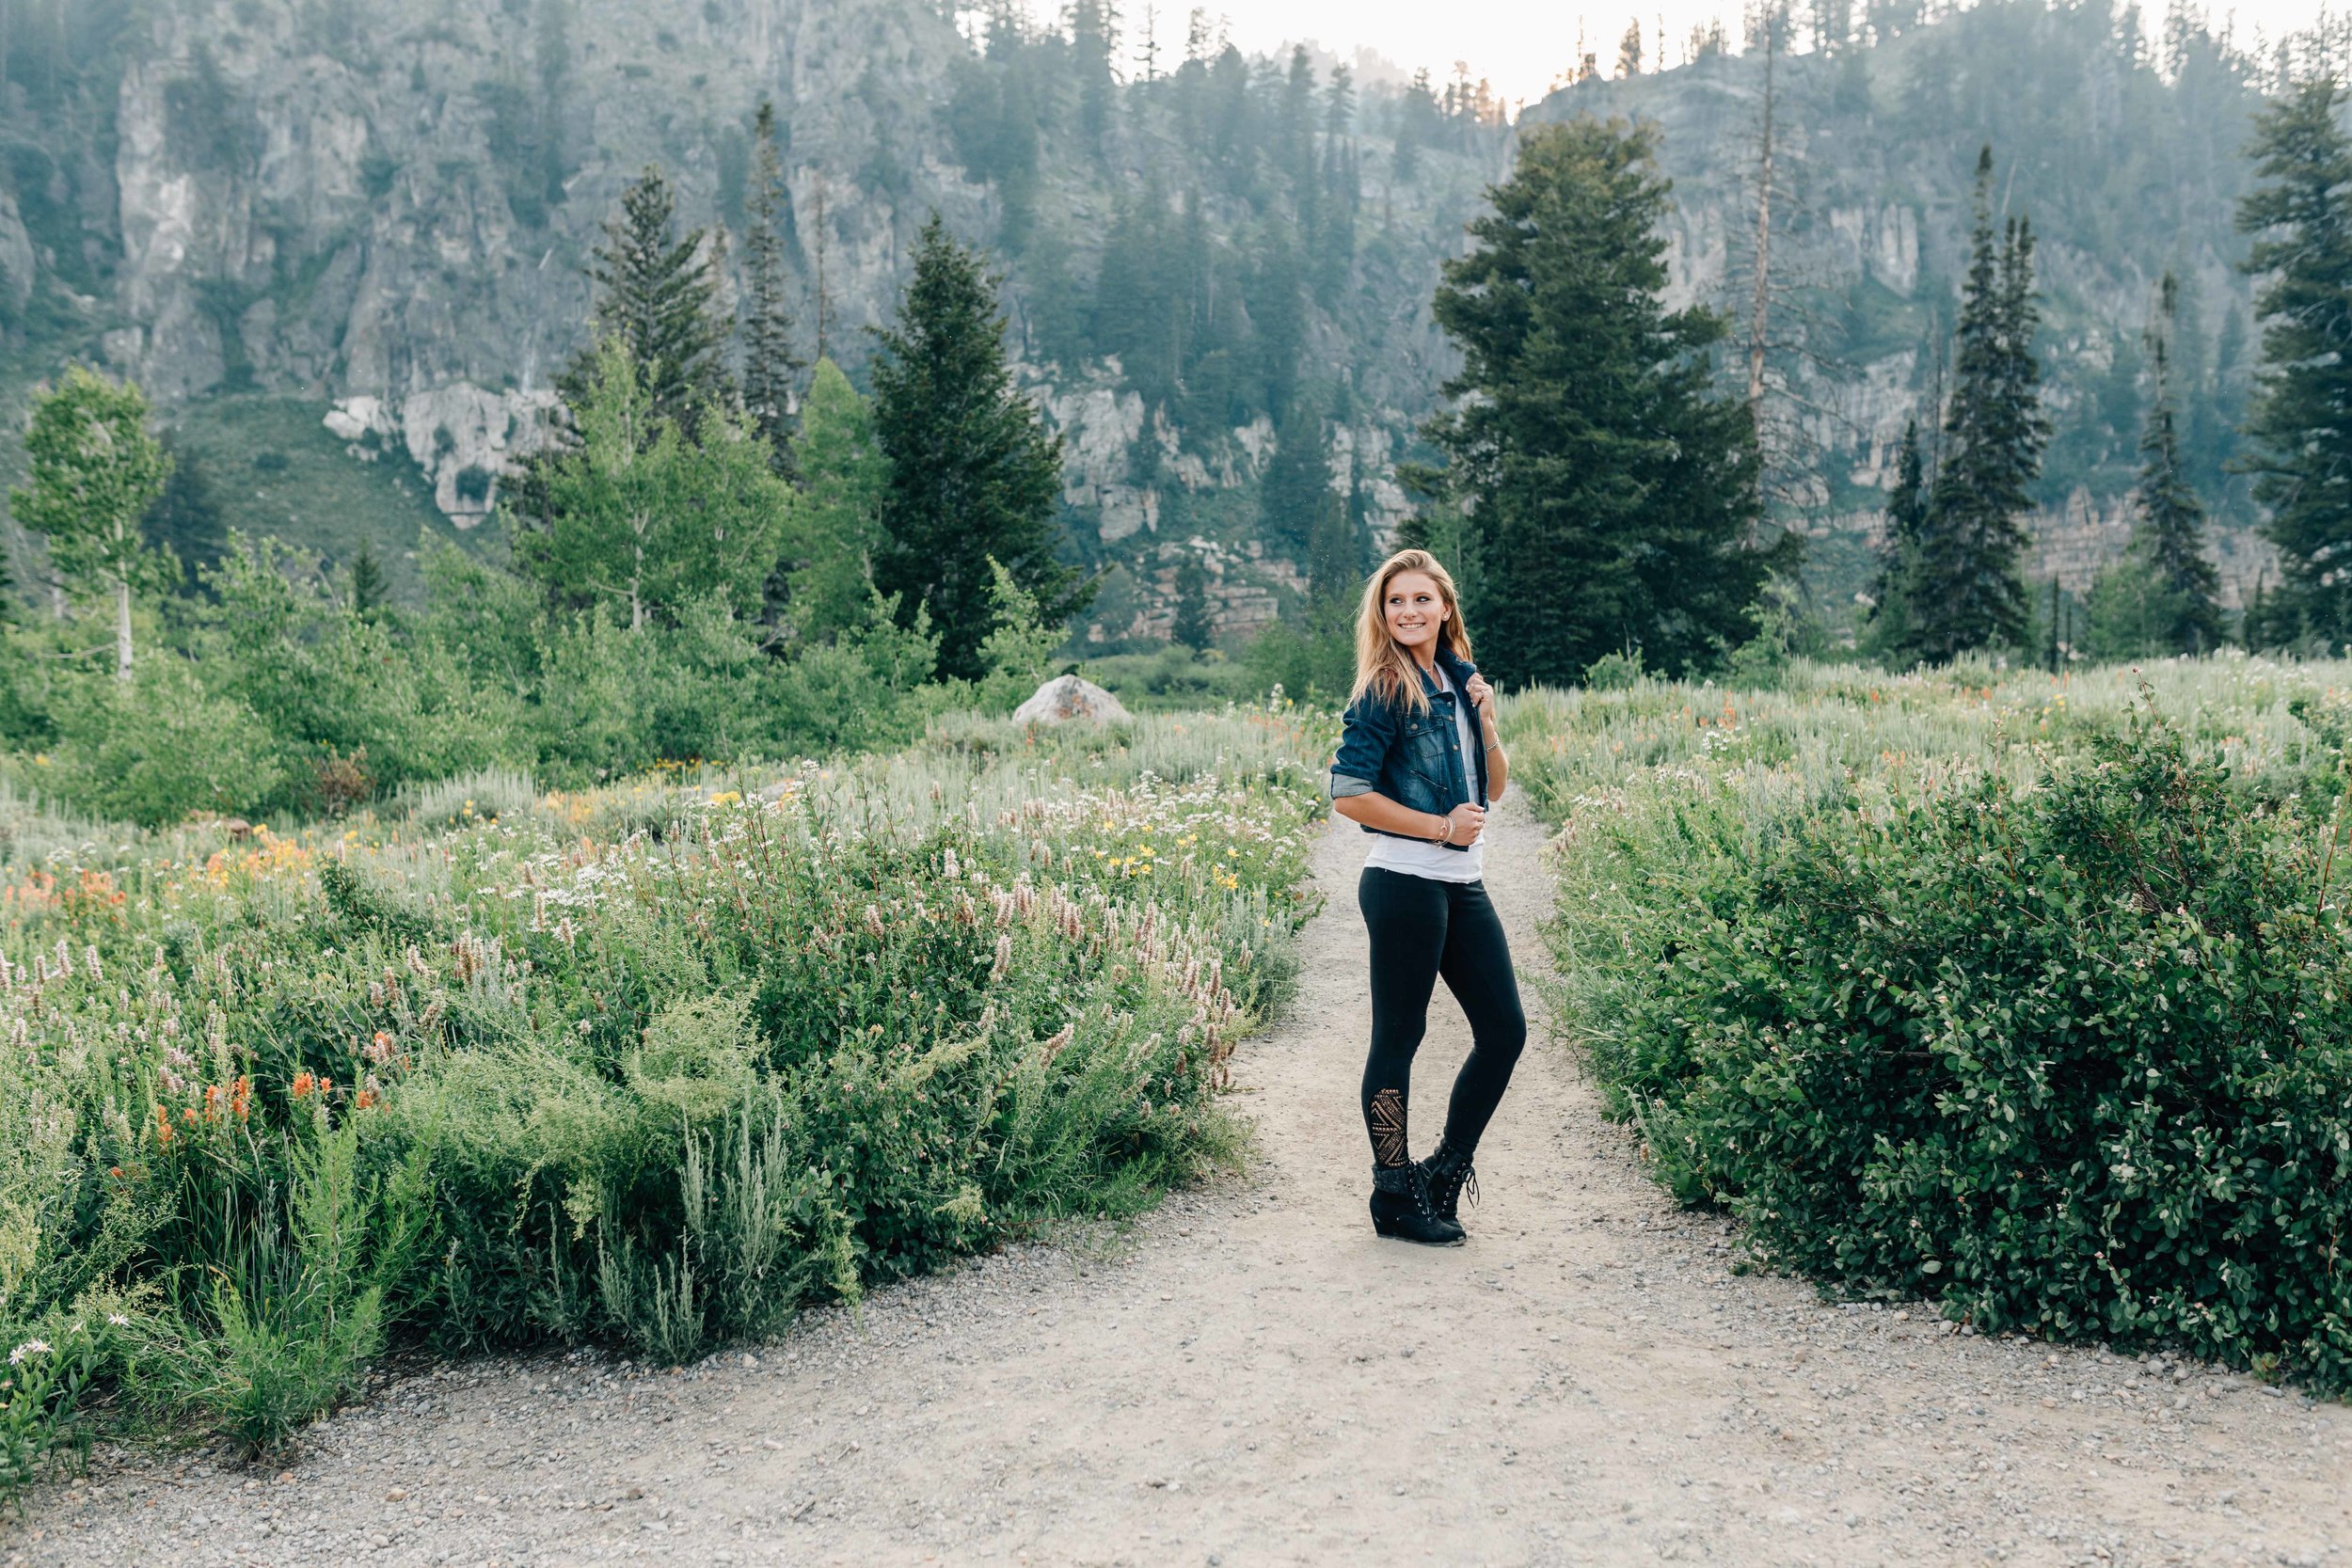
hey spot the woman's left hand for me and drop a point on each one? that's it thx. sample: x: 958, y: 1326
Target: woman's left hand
x: 1482, y: 696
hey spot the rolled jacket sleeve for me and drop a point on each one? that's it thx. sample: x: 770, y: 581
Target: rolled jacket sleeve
x: 1366, y: 732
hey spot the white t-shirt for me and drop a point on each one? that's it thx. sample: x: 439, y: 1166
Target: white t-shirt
x: 1420, y: 858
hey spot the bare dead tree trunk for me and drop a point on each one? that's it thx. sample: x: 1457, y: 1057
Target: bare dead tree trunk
x: 122, y: 628
x: 824, y: 305
x: 1760, y: 303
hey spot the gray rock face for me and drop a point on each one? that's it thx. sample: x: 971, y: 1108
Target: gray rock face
x: 1067, y: 698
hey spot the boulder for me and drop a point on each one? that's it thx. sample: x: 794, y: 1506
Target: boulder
x: 1067, y: 697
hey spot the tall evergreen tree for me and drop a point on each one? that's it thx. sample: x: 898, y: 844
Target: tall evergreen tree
x: 1969, y: 590
x: 1898, y: 558
x: 186, y: 521
x: 771, y: 369
x: 1297, y: 479
x: 973, y: 474
x: 2171, y: 531
x: 1192, y: 627
x: 657, y: 292
x: 2299, y: 428
x: 370, y: 593
x: 1609, y: 487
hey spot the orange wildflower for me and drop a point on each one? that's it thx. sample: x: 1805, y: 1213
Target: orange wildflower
x: 305, y: 1086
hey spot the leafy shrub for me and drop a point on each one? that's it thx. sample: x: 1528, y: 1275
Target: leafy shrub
x: 284, y: 1330
x: 2067, y: 1054
x: 160, y: 747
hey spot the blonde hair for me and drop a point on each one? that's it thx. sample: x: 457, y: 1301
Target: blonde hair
x: 1382, y: 665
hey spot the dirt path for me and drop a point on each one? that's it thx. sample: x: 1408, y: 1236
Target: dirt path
x: 1252, y: 1378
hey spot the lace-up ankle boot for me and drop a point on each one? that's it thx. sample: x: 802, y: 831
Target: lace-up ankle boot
x: 1449, y: 1177
x: 1401, y: 1207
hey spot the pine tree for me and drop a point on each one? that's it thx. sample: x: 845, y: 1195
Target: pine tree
x: 1898, y: 559
x: 2299, y: 428
x: 93, y: 469
x: 2171, y: 536
x: 1969, y: 592
x: 770, y: 370
x: 1611, y: 488
x: 973, y: 474
x: 1296, y: 481
x: 657, y: 294
x: 1192, y: 628
x: 1335, y: 557
x: 370, y: 593
x: 186, y: 521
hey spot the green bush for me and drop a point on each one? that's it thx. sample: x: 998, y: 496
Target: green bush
x: 160, y: 747
x: 2067, y: 1052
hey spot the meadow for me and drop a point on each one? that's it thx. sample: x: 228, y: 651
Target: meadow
x: 653, y: 1065
x: 2026, y: 994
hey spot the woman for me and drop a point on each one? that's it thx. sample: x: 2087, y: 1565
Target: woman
x: 1419, y: 761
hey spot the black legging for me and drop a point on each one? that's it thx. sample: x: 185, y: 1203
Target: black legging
x: 1422, y: 929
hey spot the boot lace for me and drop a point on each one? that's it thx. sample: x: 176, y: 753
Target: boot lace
x: 1451, y: 1183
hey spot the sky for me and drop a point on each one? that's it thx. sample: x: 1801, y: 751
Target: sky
x: 1522, y: 47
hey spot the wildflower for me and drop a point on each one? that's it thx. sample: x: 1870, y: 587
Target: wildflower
x: 305, y: 1086
x: 117, y: 1320
x: 30, y: 1347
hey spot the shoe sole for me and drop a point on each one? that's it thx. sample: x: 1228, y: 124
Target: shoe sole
x: 1378, y: 1230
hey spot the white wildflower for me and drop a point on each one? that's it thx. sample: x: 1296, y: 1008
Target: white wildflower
x: 30, y: 1347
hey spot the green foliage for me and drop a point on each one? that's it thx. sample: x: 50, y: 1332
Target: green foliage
x: 2299, y: 441
x: 834, y: 525
x: 973, y: 475
x: 646, y: 512
x: 2016, y: 995
x: 1193, y: 628
x: 770, y: 367
x: 94, y: 469
x: 289, y: 1321
x: 1959, y: 583
x: 185, y: 520
x: 657, y: 294
x: 2170, y: 540
x: 324, y: 503
x: 1309, y: 656
x: 1892, y: 631
x: 659, y: 1064
x: 159, y: 747
x: 1612, y: 494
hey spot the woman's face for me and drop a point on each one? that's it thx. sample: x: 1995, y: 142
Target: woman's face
x: 1414, y: 610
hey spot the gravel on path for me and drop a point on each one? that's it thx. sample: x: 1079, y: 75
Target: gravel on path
x: 1249, y: 1377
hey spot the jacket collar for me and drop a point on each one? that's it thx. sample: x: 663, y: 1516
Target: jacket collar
x: 1457, y: 670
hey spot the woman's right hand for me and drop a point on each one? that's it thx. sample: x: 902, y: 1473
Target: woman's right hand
x: 1465, y: 824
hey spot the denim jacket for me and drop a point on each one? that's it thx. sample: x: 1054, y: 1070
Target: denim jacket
x: 1414, y: 759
